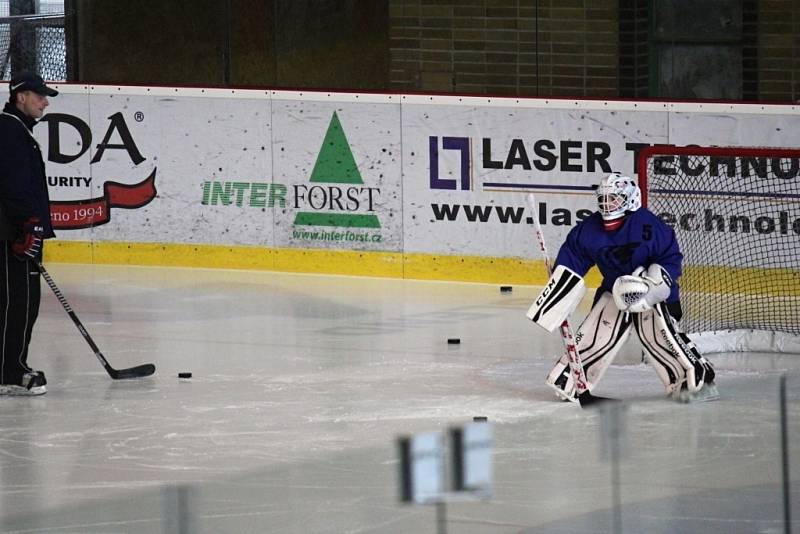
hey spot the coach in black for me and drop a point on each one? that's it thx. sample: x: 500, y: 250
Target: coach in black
x: 24, y: 224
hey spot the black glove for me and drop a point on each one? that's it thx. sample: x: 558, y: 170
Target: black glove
x: 29, y: 243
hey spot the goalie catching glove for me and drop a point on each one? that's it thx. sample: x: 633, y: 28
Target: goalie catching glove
x: 640, y: 291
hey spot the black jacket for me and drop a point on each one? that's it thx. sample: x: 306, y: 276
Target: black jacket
x: 23, y: 182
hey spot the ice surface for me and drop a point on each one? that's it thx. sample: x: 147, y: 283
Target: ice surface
x: 301, y: 385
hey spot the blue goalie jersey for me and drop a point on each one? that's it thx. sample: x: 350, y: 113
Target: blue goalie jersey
x: 642, y: 239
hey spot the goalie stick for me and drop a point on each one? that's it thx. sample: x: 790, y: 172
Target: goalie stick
x: 139, y: 371
x: 584, y: 396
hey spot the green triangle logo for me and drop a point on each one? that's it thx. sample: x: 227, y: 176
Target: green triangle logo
x: 335, y: 162
x: 336, y: 165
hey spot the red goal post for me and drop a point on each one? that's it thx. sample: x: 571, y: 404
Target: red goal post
x: 736, y: 215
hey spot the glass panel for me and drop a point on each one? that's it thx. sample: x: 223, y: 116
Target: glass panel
x: 706, y: 467
x: 790, y: 442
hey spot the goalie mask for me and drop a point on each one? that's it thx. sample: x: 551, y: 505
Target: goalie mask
x: 616, y: 195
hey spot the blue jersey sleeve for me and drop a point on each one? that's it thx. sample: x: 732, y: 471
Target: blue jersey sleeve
x: 573, y: 255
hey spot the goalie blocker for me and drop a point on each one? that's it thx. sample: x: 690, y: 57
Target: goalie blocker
x: 559, y: 298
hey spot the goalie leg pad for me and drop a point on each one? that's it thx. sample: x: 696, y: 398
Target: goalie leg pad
x: 703, y: 370
x: 598, y: 339
x: 673, y: 360
x: 559, y: 298
x: 561, y: 380
x: 708, y: 368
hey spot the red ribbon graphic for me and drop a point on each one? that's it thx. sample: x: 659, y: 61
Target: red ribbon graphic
x: 75, y: 214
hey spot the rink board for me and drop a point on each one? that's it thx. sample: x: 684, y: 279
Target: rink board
x: 393, y: 185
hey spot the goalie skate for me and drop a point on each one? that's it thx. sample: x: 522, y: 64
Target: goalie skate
x: 707, y: 393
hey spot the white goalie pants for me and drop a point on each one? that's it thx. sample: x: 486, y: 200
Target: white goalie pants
x: 605, y: 330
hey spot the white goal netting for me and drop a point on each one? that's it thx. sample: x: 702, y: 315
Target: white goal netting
x: 736, y: 214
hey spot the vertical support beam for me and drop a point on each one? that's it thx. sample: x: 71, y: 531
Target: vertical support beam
x: 23, y: 37
x: 787, y: 480
x: 750, y: 50
x: 226, y: 54
x: 71, y: 40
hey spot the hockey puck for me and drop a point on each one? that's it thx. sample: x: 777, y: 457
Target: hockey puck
x: 505, y: 289
x: 480, y: 419
x: 453, y: 341
x: 184, y: 375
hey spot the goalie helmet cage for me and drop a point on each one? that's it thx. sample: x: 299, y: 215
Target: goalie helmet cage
x: 736, y: 215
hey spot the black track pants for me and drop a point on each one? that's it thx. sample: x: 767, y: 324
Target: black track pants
x: 20, y: 294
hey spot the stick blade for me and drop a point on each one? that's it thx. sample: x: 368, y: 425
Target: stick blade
x: 140, y: 371
x: 586, y: 399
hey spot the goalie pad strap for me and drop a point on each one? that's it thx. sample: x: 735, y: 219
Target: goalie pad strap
x: 558, y: 299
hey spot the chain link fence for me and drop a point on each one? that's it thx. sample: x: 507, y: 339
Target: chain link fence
x: 34, y: 41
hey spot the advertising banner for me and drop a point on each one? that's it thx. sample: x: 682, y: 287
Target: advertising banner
x: 338, y: 164
x: 469, y: 168
x: 408, y: 174
x: 159, y: 167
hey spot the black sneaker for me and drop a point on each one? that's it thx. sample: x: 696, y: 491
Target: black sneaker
x: 32, y: 383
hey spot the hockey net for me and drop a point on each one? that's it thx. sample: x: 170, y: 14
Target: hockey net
x: 736, y: 215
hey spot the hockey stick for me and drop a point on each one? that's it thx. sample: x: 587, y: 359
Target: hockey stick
x: 585, y: 398
x: 139, y: 371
